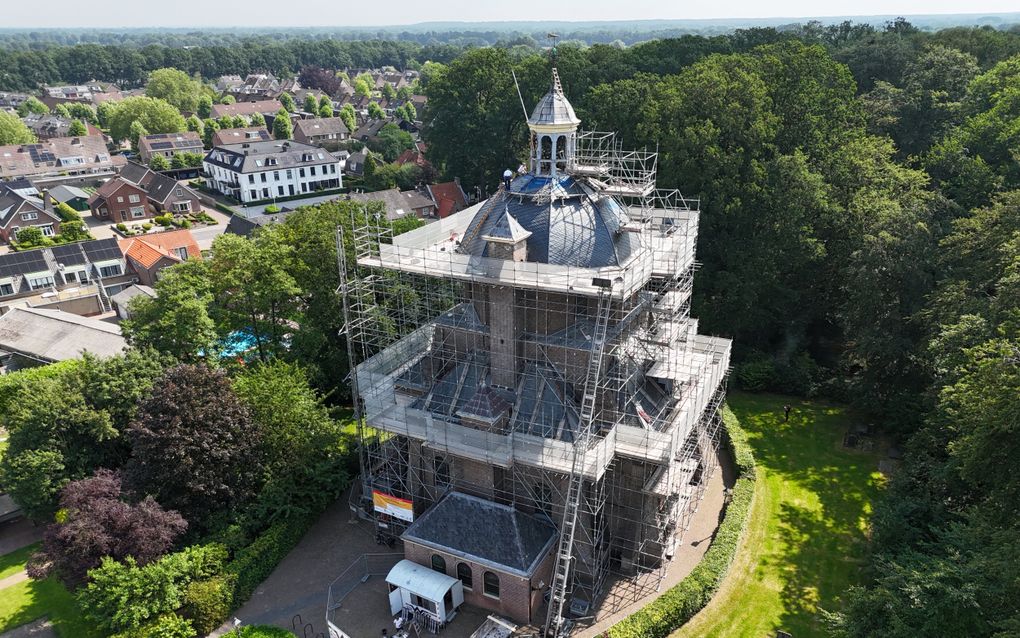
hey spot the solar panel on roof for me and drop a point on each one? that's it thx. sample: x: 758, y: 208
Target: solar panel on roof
x: 20, y: 263
x: 161, y: 145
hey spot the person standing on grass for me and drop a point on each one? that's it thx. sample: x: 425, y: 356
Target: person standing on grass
x: 786, y: 413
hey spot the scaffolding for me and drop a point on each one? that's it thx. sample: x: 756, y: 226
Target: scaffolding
x: 577, y: 390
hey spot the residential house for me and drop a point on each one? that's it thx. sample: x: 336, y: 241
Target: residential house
x: 169, y: 144
x: 39, y: 336
x: 355, y: 164
x: 19, y: 211
x: 414, y: 156
x: 267, y: 108
x: 78, y: 278
x: 54, y: 95
x: 449, y: 198
x: 22, y: 186
x: 140, y: 193
x: 264, y: 85
x: 238, y: 135
x: 73, y: 196
x: 399, y: 203
x: 227, y: 82
x: 326, y: 132
x: 254, y: 171
x: 85, y: 155
x: 46, y: 126
x: 11, y: 101
x: 148, y: 254
x: 369, y: 131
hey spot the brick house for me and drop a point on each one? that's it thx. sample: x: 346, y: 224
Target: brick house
x: 505, y: 572
x: 168, y: 145
x: 18, y: 211
x: 325, y: 132
x: 139, y: 193
x: 149, y: 254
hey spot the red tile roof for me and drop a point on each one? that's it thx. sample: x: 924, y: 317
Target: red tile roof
x: 147, y: 250
x: 449, y: 198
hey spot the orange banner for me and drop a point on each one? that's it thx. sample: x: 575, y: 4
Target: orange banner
x: 395, y: 507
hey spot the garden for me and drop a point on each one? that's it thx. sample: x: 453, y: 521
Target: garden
x: 166, y: 221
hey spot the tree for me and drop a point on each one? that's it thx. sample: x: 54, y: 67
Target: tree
x: 227, y: 99
x: 311, y: 104
x: 375, y: 111
x: 318, y: 78
x: 388, y: 91
x: 159, y: 163
x: 392, y: 141
x: 104, y: 113
x: 13, y: 130
x: 77, y: 129
x: 130, y: 598
x: 74, y: 230
x: 194, y: 446
x: 32, y: 105
x: 153, y: 115
x: 177, y: 320
x: 94, y: 522
x: 61, y: 110
x: 325, y: 107
x: 288, y: 102
x: 281, y: 125
x: 252, y: 289
x: 194, y: 124
x: 349, y: 117
x: 136, y: 132
x: 174, y: 87
x: 30, y: 236
x: 257, y: 119
x: 204, y: 107
x: 65, y: 426
x: 303, y: 447
x: 209, y: 128
x: 82, y: 111
x: 363, y: 85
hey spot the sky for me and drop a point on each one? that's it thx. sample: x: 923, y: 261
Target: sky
x: 179, y: 13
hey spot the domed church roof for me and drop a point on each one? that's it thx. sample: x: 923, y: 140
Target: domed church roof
x: 578, y: 226
x: 554, y: 109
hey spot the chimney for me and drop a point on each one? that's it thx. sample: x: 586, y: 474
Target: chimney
x: 47, y: 202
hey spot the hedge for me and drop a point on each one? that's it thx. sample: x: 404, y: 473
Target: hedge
x: 256, y: 562
x: 685, y: 599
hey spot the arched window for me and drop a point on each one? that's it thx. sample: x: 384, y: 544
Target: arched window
x: 464, y: 575
x: 546, y: 155
x: 439, y: 563
x: 491, y: 584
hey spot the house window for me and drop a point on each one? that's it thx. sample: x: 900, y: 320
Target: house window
x: 137, y: 211
x: 332, y: 168
x: 134, y: 199
x: 110, y: 271
x: 45, y: 281
x: 290, y: 174
x: 251, y: 179
x: 276, y: 176
x: 47, y: 230
x: 182, y: 253
x: 312, y: 171
x: 120, y: 200
x: 253, y: 194
x: 104, y: 212
x: 464, y: 575
x: 180, y: 192
x: 29, y: 216
x: 301, y: 172
x: 265, y: 193
x: 182, y: 207
x: 263, y: 176
x: 279, y: 191
x: 490, y: 582
x: 439, y: 563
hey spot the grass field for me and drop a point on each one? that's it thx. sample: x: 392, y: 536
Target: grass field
x: 29, y: 600
x: 807, y: 529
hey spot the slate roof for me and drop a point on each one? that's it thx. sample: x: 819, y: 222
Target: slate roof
x: 253, y: 157
x: 464, y: 526
x: 265, y: 107
x: 52, y: 335
x: 238, y: 135
x: 571, y: 223
x: 321, y: 126
x: 65, y: 193
x: 125, y: 296
x: 398, y: 203
x: 13, y: 203
x: 554, y: 109
x: 507, y: 229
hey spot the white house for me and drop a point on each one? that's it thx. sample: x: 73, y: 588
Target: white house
x: 262, y: 170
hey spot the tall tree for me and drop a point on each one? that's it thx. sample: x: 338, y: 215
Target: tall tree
x: 282, y: 129
x: 154, y: 115
x: 174, y: 87
x: 13, y: 130
x: 95, y: 521
x: 194, y: 446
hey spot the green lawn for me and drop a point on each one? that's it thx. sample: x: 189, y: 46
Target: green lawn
x: 807, y: 529
x: 29, y: 600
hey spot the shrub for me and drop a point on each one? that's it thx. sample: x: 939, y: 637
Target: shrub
x: 207, y: 602
x: 67, y: 213
x: 122, y: 227
x: 166, y: 626
x: 254, y: 563
x: 756, y: 374
x: 685, y: 599
x: 146, y: 226
x: 272, y: 208
x: 163, y: 220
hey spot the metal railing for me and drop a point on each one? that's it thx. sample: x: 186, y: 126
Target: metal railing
x: 363, y: 568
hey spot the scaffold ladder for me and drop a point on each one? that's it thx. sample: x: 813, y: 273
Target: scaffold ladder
x: 560, y: 588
